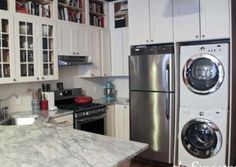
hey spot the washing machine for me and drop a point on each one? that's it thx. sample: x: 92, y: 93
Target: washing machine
x: 202, y: 137
x: 204, y: 71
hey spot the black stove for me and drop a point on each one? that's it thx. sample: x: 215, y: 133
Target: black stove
x: 89, y: 117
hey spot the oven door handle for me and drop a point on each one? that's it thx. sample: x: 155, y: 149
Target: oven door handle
x: 92, y: 118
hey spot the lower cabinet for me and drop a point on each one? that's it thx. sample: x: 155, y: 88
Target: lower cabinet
x: 118, y: 121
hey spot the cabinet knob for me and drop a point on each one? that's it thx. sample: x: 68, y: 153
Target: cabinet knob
x: 37, y: 78
x: 92, y: 75
x: 196, y: 36
x: 152, y: 40
x: 125, y: 106
x: 147, y: 40
x: 73, y: 53
x: 77, y: 53
x: 203, y: 36
x: 42, y: 77
x: 14, y: 79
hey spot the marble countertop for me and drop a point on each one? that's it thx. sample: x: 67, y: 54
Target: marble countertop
x: 47, y: 145
x: 119, y: 100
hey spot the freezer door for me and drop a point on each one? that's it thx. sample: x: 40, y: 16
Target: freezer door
x: 152, y: 122
x: 152, y: 72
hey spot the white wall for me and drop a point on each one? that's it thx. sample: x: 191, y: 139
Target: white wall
x: 121, y: 85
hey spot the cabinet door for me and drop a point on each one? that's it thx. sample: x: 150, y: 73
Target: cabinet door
x: 126, y: 122
x: 122, y: 121
x: 186, y: 20
x: 117, y: 52
x: 66, y: 38
x: 7, y: 66
x: 110, y: 120
x: 139, y: 21
x: 26, y: 42
x: 105, y: 53
x: 126, y: 51
x: 161, y: 22
x: 214, y: 19
x: 95, y: 38
x: 82, y: 41
x: 48, y: 50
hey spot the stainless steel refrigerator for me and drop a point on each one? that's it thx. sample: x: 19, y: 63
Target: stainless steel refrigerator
x: 151, y: 79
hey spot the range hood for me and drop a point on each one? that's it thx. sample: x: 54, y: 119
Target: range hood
x: 73, y: 60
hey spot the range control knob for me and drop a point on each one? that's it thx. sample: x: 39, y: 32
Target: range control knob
x: 201, y: 113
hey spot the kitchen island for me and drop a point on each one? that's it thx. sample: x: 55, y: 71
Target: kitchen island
x: 46, y: 145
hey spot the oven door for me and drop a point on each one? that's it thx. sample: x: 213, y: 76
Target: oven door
x: 203, y: 74
x: 94, y: 124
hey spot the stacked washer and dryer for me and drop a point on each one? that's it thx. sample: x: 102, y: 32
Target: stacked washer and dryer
x: 203, y: 114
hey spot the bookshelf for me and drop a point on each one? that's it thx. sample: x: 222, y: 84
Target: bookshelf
x: 43, y: 8
x: 96, y: 13
x: 71, y: 10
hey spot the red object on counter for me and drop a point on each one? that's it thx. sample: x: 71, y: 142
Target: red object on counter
x: 83, y: 99
x: 44, y: 105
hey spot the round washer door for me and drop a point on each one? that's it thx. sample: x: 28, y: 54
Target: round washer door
x: 203, y: 74
x: 201, y: 138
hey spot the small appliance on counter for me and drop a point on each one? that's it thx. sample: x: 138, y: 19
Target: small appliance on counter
x: 109, y: 91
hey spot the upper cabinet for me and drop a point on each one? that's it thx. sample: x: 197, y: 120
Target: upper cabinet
x: 201, y: 19
x: 72, y: 10
x: 150, y: 21
x: 7, y: 66
x: 35, y: 49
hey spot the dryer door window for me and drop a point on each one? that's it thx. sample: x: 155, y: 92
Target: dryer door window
x: 203, y: 74
x: 201, y: 138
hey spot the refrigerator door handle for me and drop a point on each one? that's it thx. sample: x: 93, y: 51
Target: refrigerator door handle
x: 168, y: 77
x: 168, y: 89
x: 171, y: 124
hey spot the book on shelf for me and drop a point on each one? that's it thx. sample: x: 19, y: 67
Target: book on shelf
x: 33, y: 8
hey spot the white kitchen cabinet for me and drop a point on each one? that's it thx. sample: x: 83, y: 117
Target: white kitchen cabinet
x: 63, y: 121
x: 7, y: 58
x: 106, y: 52
x: 35, y: 49
x: 99, y: 53
x: 110, y: 120
x: 201, y: 19
x: 150, y: 21
x: 122, y: 128
x: 118, y: 121
x: 48, y: 50
x: 26, y: 48
x: 73, y: 39
x: 120, y: 51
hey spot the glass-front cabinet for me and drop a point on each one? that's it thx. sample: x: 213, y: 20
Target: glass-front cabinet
x: 35, y: 49
x: 26, y: 45
x: 47, y: 51
x: 6, y: 51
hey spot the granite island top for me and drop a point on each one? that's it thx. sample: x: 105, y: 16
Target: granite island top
x: 46, y: 145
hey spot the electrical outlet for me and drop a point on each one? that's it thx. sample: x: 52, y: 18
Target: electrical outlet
x: 18, y: 101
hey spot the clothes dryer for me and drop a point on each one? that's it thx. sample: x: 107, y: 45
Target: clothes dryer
x: 204, y: 76
x: 202, y: 137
